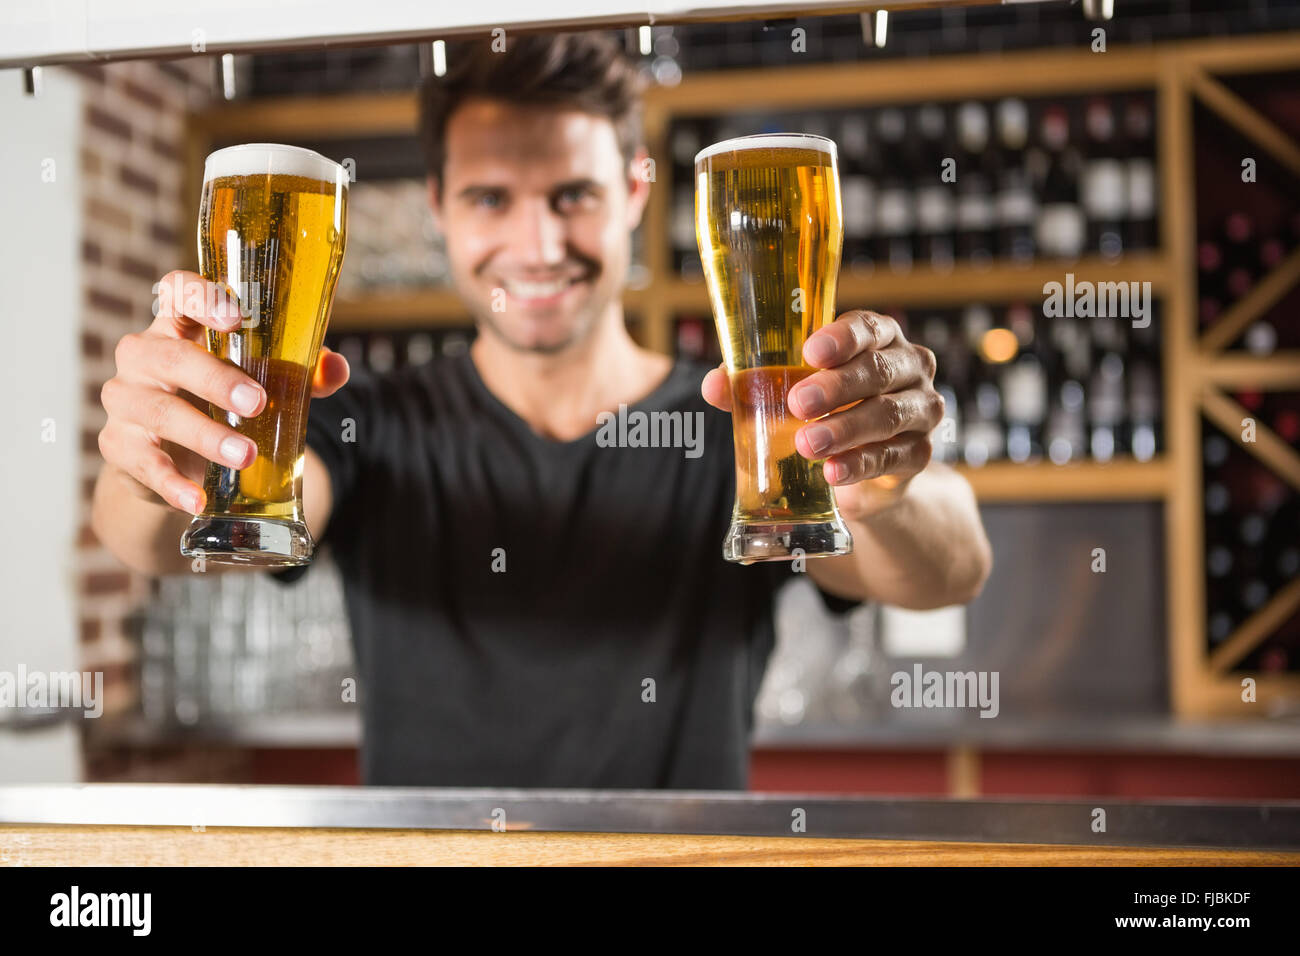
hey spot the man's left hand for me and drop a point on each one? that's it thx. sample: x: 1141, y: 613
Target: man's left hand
x: 876, y: 393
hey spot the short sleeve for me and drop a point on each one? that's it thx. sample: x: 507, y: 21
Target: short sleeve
x: 835, y: 604
x: 780, y: 573
x: 341, y: 429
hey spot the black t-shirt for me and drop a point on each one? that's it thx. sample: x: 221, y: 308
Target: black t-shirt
x: 534, y: 613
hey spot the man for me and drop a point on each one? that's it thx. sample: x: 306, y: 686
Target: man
x: 530, y: 608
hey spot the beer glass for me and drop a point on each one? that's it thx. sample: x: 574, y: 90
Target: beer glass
x: 768, y: 222
x: 272, y: 226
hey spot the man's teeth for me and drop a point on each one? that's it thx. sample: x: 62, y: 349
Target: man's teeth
x: 536, y: 290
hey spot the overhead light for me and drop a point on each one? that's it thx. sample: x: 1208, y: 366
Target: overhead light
x: 646, y: 39
x: 875, y: 27
x: 228, y: 75
x: 1099, y: 9
x: 439, y: 57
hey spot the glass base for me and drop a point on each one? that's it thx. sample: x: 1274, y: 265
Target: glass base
x: 783, y: 541
x: 253, y: 542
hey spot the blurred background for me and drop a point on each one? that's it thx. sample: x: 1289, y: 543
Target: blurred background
x: 1144, y: 611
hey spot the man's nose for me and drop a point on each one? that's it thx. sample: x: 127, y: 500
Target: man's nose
x: 537, y: 234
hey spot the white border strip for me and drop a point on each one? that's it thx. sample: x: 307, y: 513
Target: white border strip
x: 34, y: 32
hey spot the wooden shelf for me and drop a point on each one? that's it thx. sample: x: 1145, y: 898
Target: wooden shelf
x: 1001, y: 282
x: 1120, y: 480
x: 418, y: 308
x: 1277, y: 372
x: 407, y: 308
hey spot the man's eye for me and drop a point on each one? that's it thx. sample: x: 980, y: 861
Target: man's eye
x: 574, y: 194
x: 488, y: 201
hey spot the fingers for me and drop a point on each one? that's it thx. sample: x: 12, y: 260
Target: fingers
x: 716, y: 389
x: 166, y: 416
x: 128, y: 447
x: 179, y: 363
x: 874, y: 420
x: 186, y: 301
x: 332, y: 373
x: 903, y: 456
x: 869, y: 373
x: 850, y: 334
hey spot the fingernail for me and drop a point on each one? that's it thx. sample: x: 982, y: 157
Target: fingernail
x: 818, y: 438
x: 235, y: 450
x: 810, y: 399
x: 228, y: 310
x: 188, y: 497
x: 819, y: 350
x: 834, y: 472
x: 245, y: 398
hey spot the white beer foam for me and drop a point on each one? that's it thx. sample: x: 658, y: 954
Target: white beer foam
x: 770, y: 141
x: 260, y: 159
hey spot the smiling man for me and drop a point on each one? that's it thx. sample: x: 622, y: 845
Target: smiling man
x: 530, y: 606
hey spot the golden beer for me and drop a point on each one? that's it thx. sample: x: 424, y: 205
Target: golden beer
x: 272, y: 228
x: 768, y: 222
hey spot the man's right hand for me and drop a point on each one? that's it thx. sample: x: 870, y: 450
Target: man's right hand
x: 159, y: 436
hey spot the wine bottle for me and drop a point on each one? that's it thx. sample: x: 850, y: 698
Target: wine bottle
x: 419, y: 349
x: 1240, y: 260
x: 938, y: 334
x: 1222, y: 594
x: 380, y: 355
x: 1017, y: 207
x: 1106, y: 407
x: 1144, y: 410
x: 935, y: 203
x: 1024, y: 389
x: 858, y: 191
x: 685, y: 143
x: 1104, y: 187
x: 682, y: 224
x: 983, y: 434
x: 1210, y: 281
x: 895, y: 208
x: 976, y: 208
x: 1140, y: 150
x: 1061, y: 231
x: 690, y: 338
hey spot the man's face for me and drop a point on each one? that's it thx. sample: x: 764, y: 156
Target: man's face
x: 537, y: 207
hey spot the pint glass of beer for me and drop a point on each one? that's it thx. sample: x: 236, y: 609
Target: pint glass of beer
x: 272, y: 226
x: 768, y: 222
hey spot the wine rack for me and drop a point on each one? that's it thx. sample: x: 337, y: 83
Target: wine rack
x: 976, y: 182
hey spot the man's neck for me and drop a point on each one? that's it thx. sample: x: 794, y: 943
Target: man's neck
x: 559, y: 395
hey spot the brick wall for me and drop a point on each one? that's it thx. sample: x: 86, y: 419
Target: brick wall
x: 138, y: 224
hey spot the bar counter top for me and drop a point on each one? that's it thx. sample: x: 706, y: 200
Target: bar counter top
x: 1242, y: 738
x: 146, y: 823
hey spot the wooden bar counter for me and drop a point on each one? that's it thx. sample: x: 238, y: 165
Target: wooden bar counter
x: 145, y: 824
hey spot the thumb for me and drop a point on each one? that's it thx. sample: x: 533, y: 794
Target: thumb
x: 332, y: 373
x: 716, y: 388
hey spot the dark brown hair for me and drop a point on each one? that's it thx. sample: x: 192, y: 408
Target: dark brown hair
x: 585, y: 71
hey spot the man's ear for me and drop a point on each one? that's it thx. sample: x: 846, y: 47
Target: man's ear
x: 435, y: 201
x: 640, y: 174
